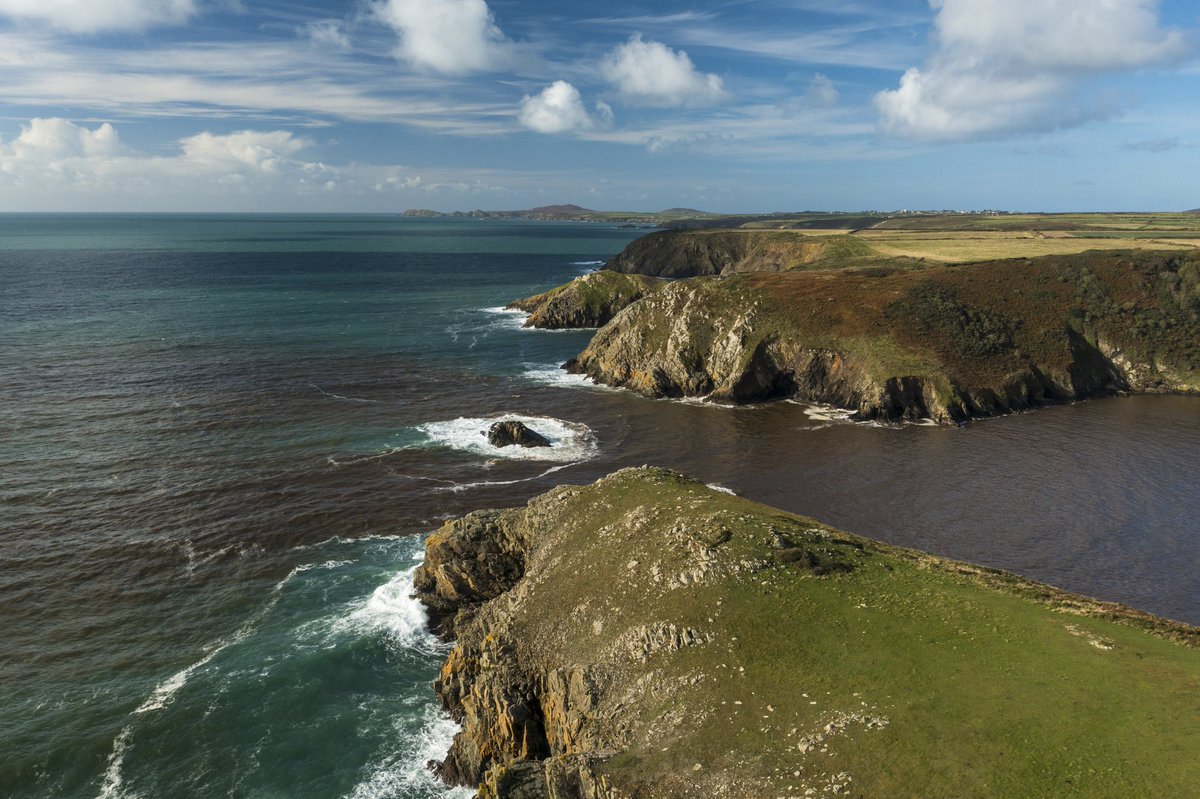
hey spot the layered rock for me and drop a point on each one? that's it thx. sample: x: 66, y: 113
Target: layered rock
x: 588, y: 301
x: 647, y: 638
x: 947, y: 344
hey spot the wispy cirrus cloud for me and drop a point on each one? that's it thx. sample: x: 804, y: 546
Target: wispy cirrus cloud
x: 249, y: 80
x: 94, y: 16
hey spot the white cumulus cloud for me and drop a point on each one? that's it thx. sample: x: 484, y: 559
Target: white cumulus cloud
x: 47, y: 142
x: 558, y: 109
x: 92, y: 16
x: 649, y: 73
x: 260, y: 151
x: 448, y: 36
x: 1006, y: 66
x: 55, y: 164
x: 57, y: 153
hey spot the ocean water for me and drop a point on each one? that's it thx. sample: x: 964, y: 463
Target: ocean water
x: 225, y: 438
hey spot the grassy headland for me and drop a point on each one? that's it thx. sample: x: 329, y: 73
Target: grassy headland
x: 587, y: 301
x: 647, y: 636
x: 905, y: 242
x: 940, y: 342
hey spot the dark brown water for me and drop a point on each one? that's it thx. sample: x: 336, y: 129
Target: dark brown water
x: 1098, y: 497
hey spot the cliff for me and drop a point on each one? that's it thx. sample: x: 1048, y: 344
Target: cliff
x: 647, y: 637
x: 587, y: 301
x: 697, y: 253
x: 944, y: 343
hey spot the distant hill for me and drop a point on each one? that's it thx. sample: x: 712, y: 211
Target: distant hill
x: 569, y: 212
x: 565, y: 210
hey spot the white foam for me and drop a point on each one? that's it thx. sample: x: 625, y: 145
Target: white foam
x: 392, y: 609
x: 570, y: 442
x: 502, y: 317
x: 827, y: 413
x: 403, y: 772
x: 587, y: 263
x: 458, y: 488
x: 165, y: 691
x: 341, y: 539
x: 722, y: 489
x: 551, y: 375
x: 342, y: 397
x: 832, y: 415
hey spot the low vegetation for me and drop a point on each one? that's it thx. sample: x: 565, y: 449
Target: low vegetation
x: 588, y: 301
x: 652, y: 637
x: 947, y: 343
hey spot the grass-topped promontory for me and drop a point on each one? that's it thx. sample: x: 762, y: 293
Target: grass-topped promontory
x: 657, y: 638
x: 943, y: 342
x: 899, y: 242
x: 587, y: 301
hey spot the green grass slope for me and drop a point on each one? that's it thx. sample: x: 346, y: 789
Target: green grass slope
x: 587, y: 301
x: 696, y: 253
x: 948, y: 343
x: 657, y: 638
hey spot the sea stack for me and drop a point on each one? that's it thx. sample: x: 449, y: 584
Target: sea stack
x: 511, y: 432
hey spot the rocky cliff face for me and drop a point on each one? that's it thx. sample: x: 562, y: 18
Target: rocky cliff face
x: 676, y: 253
x: 946, y: 344
x: 587, y: 301
x: 646, y: 637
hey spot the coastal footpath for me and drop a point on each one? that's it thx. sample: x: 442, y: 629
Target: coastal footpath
x: 648, y: 637
x: 894, y: 342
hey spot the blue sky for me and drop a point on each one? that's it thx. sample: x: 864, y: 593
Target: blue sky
x: 382, y: 105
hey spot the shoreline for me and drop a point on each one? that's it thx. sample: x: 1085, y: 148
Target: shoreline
x: 544, y: 695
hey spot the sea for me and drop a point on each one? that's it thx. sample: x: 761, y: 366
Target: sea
x: 224, y: 439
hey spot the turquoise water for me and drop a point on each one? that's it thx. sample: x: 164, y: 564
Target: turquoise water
x: 225, y: 438
x: 206, y: 573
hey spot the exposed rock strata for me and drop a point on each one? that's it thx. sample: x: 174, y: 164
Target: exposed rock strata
x: 587, y: 301
x: 947, y: 344
x: 647, y: 638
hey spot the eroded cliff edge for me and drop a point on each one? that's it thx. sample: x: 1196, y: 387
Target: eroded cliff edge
x: 588, y: 301
x: 701, y: 253
x: 647, y: 636
x: 941, y: 343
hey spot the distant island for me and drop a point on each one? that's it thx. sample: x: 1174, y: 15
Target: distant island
x: 854, y: 221
x: 569, y: 212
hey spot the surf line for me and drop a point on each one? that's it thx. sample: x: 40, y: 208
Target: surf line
x: 165, y: 691
x: 458, y: 488
x: 341, y: 397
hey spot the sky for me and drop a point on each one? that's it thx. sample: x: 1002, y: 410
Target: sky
x: 772, y: 105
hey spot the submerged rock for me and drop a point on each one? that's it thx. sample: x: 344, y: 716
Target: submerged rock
x: 511, y: 432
